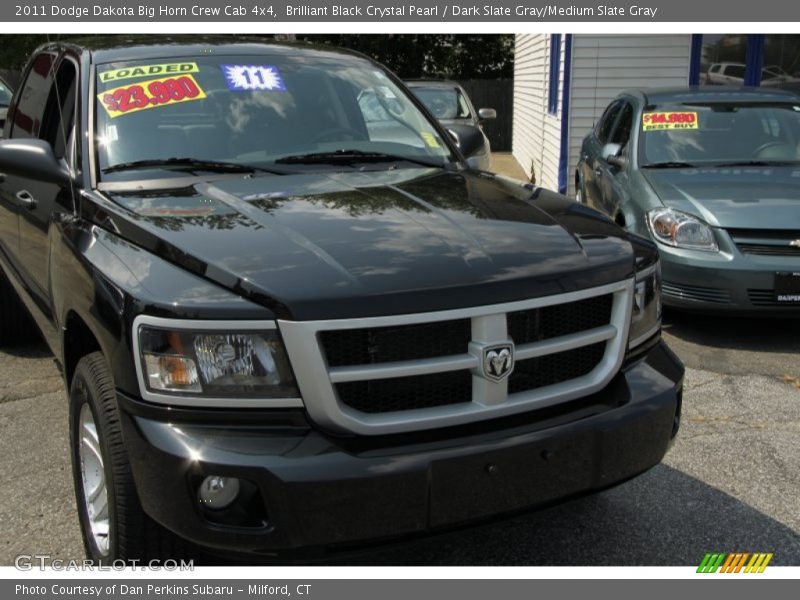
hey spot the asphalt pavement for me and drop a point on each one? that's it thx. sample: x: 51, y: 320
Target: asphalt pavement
x: 730, y: 483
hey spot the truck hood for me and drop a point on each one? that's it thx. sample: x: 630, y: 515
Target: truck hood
x: 752, y: 197
x: 339, y: 245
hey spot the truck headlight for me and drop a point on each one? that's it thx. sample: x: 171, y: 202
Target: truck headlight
x: 646, y: 313
x: 214, y: 363
x: 680, y: 230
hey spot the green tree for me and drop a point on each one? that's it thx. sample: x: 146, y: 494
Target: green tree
x: 436, y: 56
x: 408, y: 55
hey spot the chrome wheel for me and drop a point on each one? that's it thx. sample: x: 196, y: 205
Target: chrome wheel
x: 93, y: 480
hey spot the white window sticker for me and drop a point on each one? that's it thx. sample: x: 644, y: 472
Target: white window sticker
x: 242, y: 78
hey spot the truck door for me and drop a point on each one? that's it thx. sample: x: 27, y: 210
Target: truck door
x: 25, y: 119
x: 40, y: 203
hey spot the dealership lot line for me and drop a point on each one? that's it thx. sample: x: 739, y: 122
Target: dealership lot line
x: 729, y: 484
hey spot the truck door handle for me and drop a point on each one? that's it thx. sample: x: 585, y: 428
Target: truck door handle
x: 26, y: 199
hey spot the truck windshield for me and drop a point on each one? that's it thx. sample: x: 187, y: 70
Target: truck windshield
x: 720, y: 135
x: 159, y: 117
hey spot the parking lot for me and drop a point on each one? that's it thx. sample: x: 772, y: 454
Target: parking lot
x: 730, y: 483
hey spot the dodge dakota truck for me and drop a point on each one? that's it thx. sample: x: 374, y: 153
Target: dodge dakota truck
x: 293, y: 320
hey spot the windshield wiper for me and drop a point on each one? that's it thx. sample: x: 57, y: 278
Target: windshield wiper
x: 757, y: 163
x: 669, y: 164
x: 352, y: 156
x: 189, y: 164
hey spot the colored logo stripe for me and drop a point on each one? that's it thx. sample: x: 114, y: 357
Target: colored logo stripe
x: 734, y: 562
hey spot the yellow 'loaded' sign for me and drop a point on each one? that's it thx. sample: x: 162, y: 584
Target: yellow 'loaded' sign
x: 148, y: 71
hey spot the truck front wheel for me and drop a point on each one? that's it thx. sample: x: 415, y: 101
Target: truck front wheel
x: 113, y: 524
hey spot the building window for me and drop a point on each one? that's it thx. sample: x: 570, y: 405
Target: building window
x: 735, y: 60
x: 781, y: 62
x: 555, y: 72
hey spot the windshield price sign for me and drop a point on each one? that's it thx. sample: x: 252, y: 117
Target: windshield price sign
x: 658, y: 121
x: 154, y: 93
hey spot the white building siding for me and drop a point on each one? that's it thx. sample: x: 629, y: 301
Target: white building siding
x: 536, y: 140
x: 605, y: 65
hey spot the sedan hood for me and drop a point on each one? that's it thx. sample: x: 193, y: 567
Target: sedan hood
x: 338, y: 245
x: 751, y: 198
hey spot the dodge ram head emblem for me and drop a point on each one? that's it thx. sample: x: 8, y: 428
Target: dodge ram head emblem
x: 795, y: 243
x: 498, y: 361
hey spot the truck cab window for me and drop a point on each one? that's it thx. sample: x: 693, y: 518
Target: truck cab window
x: 30, y: 106
x: 59, y: 114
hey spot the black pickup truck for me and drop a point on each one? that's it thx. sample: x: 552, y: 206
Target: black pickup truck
x: 293, y: 319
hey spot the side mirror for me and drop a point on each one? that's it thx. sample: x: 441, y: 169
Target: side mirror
x: 487, y: 114
x: 611, y: 154
x: 617, y: 161
x: 34, y: 159
x: 469, y: 139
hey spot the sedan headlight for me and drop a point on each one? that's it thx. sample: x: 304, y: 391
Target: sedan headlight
x: 214, y: 363
x: 646, y: 313
x: 680, y: 230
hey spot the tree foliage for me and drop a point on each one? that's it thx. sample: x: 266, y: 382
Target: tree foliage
x: 435, y: 56
x: 408, y: 55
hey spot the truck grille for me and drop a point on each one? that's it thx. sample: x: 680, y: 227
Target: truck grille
x: 407, y: 393
x: 389, y: 344
x: 420, y: 371
x: 555, y: 368
x: 427, y: 340
x: 766, y: 242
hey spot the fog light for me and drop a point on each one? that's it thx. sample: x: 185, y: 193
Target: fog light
x: 218, y: 492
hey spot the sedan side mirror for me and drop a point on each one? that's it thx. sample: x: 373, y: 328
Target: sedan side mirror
x: 487, y: 114
x: 611, y: 154
x: 33, y: 159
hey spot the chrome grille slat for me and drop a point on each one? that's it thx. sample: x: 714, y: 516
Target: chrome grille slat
x: 319, y: 382
x: 565, y: 342
x: 405, y: 368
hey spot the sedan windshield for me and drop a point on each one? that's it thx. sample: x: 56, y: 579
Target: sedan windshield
x: 5, y: 95
x: 215, y: 113
x: 444, y: 103
x: 720, y: 135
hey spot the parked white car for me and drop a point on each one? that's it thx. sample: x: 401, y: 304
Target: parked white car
x: 729, y: 73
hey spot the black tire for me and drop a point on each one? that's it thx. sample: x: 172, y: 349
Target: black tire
x: 16, y: 325
x: 132, y: 535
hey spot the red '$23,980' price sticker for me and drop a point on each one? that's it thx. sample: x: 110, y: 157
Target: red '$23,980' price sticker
x: 154, y: 93
x: 655, y: 121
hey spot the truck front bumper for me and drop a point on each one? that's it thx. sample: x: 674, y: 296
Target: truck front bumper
x: 308, y: 490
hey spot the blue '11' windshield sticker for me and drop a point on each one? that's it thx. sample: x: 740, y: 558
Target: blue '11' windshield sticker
x: 242, y: 78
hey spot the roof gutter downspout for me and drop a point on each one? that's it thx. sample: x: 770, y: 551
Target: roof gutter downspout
x: 563, y: 159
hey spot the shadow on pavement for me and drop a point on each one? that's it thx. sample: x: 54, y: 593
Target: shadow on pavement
x: 661, y: 518
x: 739, y: 333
